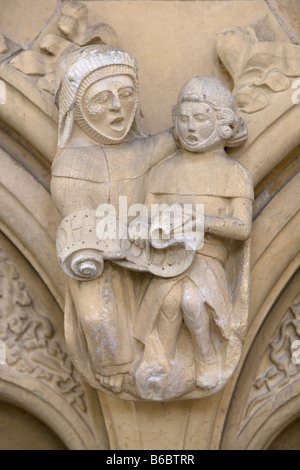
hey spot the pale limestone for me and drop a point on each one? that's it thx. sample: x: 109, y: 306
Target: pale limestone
x: 22, y: 431
x: 3, y: 44
x: 287, y: 13
x: 97, y: 106
x: 28, y: 137
x: 181, y: 33
x: 31, y: 14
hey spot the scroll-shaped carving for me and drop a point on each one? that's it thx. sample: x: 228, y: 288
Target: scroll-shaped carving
x: 174, y: 329
x: 31, y: 345
x: 79, y: 230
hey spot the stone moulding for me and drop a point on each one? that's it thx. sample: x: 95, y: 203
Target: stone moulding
x: 269, y: 380
x: 31, y: 344
x: 36, y: 373
x: 281, y: 371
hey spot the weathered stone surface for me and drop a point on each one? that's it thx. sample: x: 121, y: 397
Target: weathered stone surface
x: 287, y: 13
x: 21, y: 430
x: 127, y: 344
x: 31, y: 14
x: 172, y: 42
x: 3, y: 44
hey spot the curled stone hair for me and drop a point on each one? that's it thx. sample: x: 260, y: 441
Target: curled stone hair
x: 210, y: 90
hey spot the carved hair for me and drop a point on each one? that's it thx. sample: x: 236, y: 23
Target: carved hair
x: 211, y: 91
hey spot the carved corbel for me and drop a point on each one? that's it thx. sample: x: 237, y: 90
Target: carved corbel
x: 141, y: 335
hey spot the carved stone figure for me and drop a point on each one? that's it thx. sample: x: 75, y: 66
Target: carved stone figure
x: 101, y: 155
x: 211, y: 296
x: 149, y: 319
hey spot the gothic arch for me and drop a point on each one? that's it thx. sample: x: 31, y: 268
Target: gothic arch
x: 37, y: 374
x: 268, y: 384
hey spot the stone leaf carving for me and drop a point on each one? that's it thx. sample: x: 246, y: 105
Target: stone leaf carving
x: 69, y: 29
x: 280, y: 370
x: 257, y: 68
x: 32, y: 72
x: 250, y: 100
x: 30, y: 339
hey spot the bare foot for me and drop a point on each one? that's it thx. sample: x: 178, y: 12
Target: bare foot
x: 112, y: 382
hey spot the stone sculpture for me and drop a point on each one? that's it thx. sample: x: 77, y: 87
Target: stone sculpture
x: 101, y: 155
x: 148, y: 317
x: 212, y: 304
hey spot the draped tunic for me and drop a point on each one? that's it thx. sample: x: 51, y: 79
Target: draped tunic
x: 213, y: 179
x: 98, y: 313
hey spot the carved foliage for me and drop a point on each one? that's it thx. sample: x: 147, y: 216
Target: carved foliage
x: 257, y: 68
x: 280, y: 369
x: 67, y: 30
x: 32, y: 346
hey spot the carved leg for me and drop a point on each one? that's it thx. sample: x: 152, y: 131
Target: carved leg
x: 170, y: 320
x: 197, y: 320
x: 104, y: 326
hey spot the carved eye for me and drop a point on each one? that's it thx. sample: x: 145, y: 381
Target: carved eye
x: 101, y: 98
x: 201, y: 118
x: 94, y: 104
x: 125, y: 92
x: 183, y: 118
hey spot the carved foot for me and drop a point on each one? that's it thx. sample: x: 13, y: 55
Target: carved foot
x: 112, y: 382
x: 207, y: 375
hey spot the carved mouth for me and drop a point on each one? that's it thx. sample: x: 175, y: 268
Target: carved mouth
x: 117, y: 123
x: 192, y: 139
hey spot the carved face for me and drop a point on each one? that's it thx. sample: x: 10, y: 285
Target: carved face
x: 196, y: 126
x: 109, y: 106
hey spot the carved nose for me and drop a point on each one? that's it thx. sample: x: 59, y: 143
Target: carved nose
x: 191, y: 126
x: 115, y: 103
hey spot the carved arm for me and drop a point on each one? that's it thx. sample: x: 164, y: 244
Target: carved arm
x: 236, y: 225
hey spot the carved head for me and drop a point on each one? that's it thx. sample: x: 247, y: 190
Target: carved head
x: 205, y: 116
x: 97, y: 87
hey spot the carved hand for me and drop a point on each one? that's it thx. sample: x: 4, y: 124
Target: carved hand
x: 138, y: 230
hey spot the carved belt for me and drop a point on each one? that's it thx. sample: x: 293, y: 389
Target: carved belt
x: 217, y: 252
